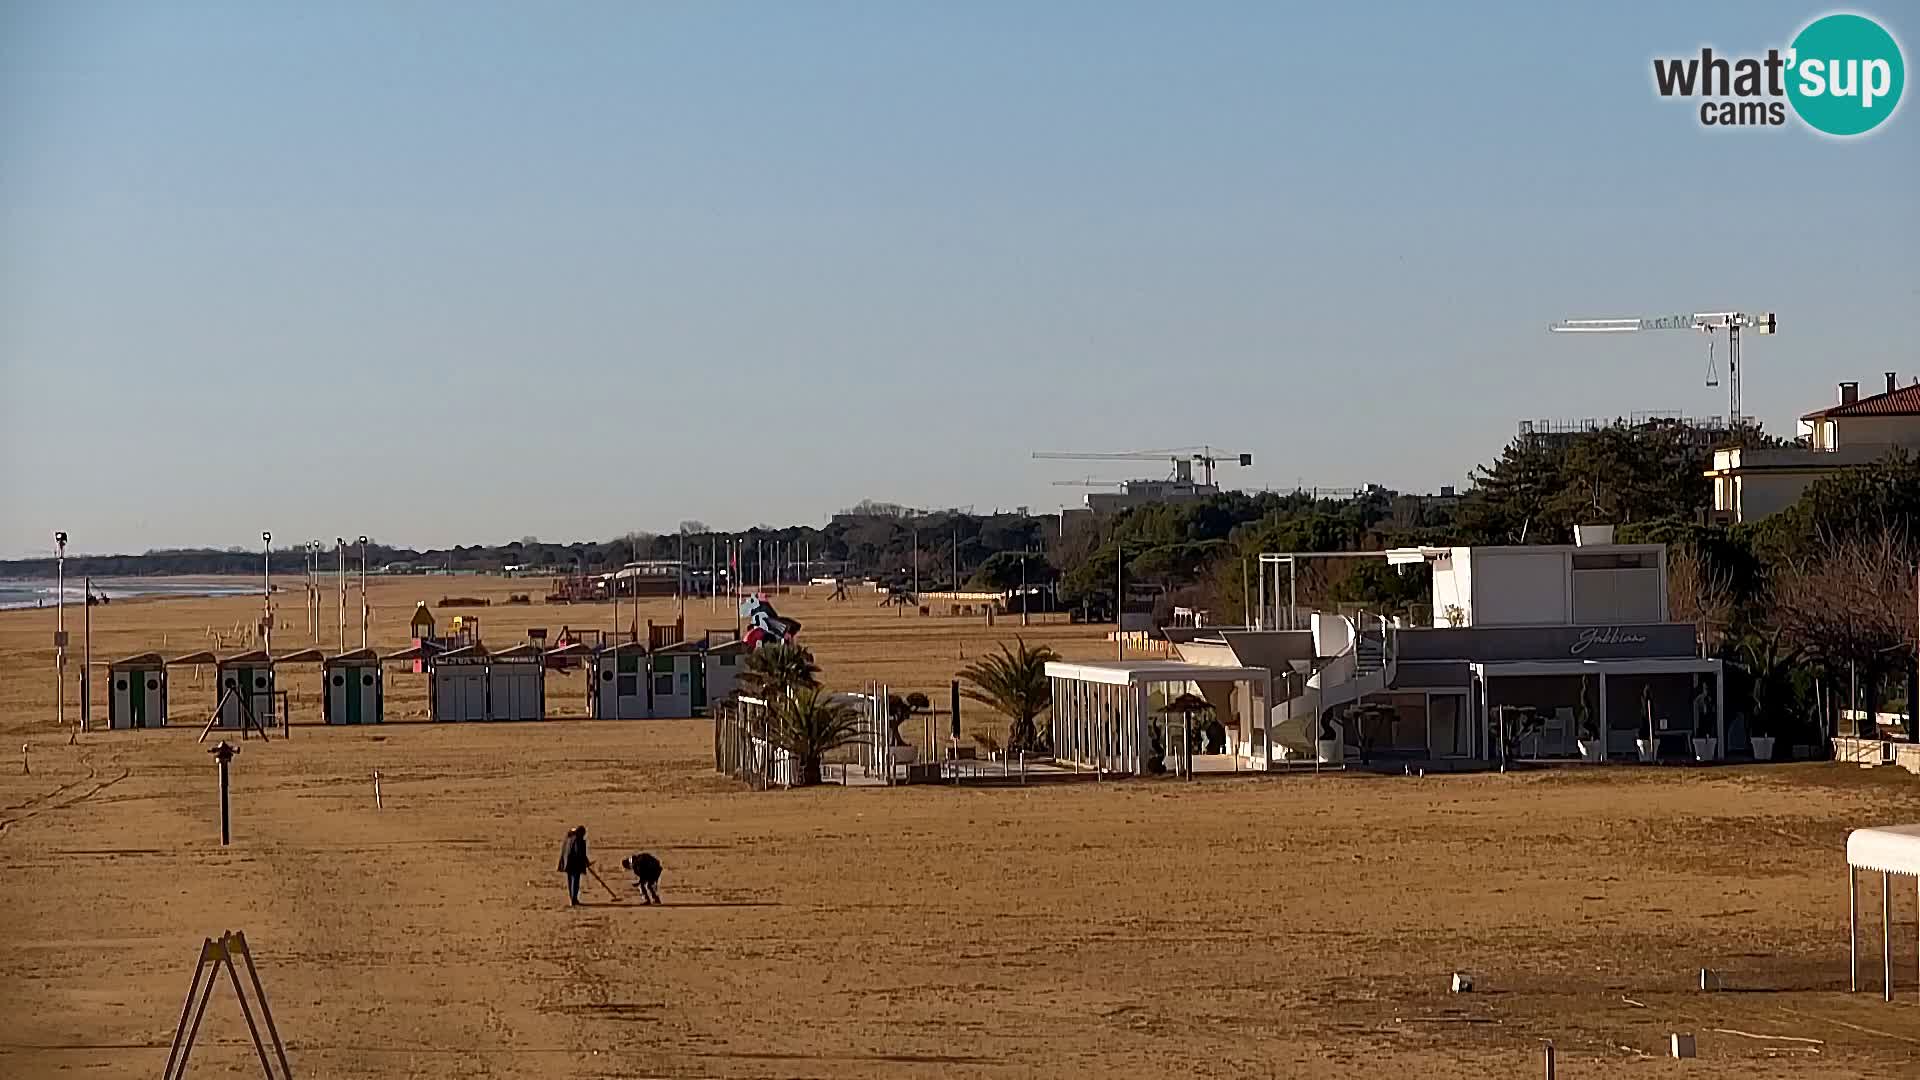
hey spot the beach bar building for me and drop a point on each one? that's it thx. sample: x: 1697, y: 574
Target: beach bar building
x: 354, y: 690
x: 138, y: 692
x: 617, y: 686
x: 1542, y: 651
x: 1111, y: 716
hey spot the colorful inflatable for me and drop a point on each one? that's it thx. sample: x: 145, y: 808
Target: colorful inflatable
x: 765, y: 626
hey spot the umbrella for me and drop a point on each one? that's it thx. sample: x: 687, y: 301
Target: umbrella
x: 1185, y: 706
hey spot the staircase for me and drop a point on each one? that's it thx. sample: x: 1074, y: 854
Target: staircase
x: 1365, y: 667
x: 1370, y: 653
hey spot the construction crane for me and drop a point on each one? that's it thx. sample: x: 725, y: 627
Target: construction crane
x: 1709, y: 322
x: 1089, y: 482
x: 1182, y: 457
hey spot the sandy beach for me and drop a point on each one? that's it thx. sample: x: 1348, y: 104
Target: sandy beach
x: 1231, y: 927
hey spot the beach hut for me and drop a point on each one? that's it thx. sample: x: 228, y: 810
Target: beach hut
x: 249, y: 677
x: 517, y: 684
x: 679, y: 680
x: 617, y: 683
x: 470, y: 684
x: 138, y: 692
x: 354, y: 687
x: 723, y: 662
x: 457, y: 683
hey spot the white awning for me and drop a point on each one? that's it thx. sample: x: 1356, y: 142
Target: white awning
x: 1128, y: 672
x: 1891, y: 849
x: 1626, y: 665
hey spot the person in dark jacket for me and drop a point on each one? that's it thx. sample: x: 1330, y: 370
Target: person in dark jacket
x: 574, y: 861
x: 646, y: 875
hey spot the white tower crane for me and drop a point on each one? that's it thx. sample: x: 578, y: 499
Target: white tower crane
x: 1708, y: 321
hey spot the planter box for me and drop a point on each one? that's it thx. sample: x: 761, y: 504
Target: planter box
x: 1706, y: 749
x: 1591, y: 750
x: 1763, y: 748
x: 1330, y: 751
x: 1648, y: 749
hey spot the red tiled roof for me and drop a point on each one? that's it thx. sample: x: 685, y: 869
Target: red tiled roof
x: 1904, y: 401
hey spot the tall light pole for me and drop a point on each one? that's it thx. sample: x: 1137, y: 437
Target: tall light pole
x: 306, y: 567
x: 60, y: 626
x: 363, y: 592
x: 266, y: 590
x: 1119, y: 572
x: 916, y: 565
x: 340, y: 584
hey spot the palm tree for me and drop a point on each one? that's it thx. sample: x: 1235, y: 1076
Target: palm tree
x: 776, y: 671
x: 1015, y: 683
x: 809, y: 724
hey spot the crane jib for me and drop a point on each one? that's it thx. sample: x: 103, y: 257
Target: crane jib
x: 1668, y: 322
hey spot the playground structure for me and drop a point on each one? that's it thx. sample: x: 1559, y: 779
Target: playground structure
x: 463, y: 631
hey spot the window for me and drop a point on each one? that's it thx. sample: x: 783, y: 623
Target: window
x: 629, y: 686
x: 606, y: 674
x: 366, y: 680
x: 120, y: 684
x: 339, y: 680
x: 663, y: 685
x: 259, y: 682
x: 1625, y: 560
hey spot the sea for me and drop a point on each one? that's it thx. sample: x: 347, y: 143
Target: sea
x: 44, y: 592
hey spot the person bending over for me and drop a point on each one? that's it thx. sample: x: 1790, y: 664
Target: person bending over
x: 646, y: 875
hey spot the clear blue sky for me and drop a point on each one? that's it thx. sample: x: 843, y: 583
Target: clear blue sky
x: 459, y: 272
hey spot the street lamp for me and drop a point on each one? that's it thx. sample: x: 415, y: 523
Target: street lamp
x: 363, y: 592
x: 340, y: 587
x: 266, y: 590
x: 60, y: 626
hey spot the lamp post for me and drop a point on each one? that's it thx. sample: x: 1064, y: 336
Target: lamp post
x: 60, y: 627
x: 363, y: 592
x: 223, y: 753
x: 340, y: 584
x: 266, y: 590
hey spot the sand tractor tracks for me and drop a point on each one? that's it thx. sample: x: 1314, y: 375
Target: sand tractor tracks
x: 62, y: 797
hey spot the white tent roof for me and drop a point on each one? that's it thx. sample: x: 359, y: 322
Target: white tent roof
x: 1125, y: 672
x: 1892, y: 849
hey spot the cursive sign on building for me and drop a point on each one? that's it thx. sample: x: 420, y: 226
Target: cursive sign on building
x: 1604, y: 635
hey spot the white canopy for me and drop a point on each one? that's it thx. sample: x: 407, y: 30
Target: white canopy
x: 1890, y: 849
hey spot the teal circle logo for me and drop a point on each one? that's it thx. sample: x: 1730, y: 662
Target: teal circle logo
x: 1846, y: 74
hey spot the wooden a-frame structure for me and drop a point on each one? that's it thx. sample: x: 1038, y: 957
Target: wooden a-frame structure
x: 216, y: 953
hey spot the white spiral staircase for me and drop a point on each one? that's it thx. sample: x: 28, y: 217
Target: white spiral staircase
x: 1365, y: 666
